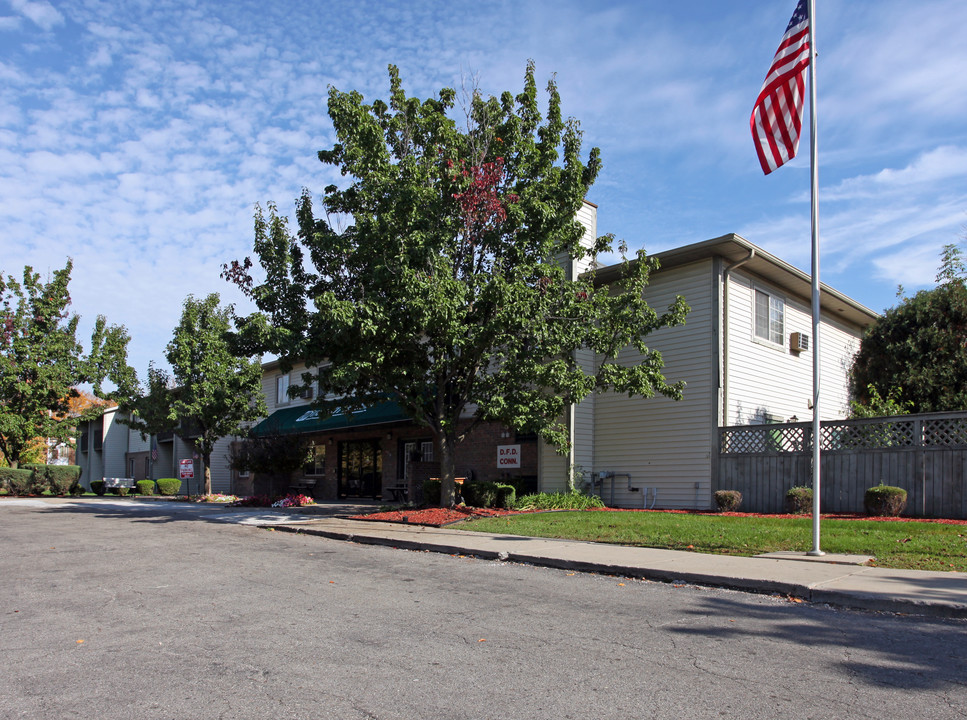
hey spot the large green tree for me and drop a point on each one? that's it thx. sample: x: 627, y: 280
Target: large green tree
x: 435, y: 275
x: 41, y: 361
x: 916, y: 353
x: 214, y: 391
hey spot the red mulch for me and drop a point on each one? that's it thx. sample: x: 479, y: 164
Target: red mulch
x: 434, y: 517
x: 439, y: 517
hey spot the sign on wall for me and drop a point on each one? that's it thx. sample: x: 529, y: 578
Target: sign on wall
x: 508, y: 456
x: 187, y: 469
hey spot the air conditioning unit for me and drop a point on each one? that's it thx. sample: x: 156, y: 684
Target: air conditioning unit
x: 798, y: 342
x: 306, y: 394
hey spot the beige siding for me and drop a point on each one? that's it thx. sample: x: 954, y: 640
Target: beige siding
x: 767, y: 381
x: 115, y: 446
x: 553, y: 470
x: 661, y: 444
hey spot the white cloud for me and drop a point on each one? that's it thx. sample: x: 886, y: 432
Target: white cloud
x: 42, y: 13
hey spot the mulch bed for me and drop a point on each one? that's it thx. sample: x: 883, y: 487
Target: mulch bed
x: 440, y: 517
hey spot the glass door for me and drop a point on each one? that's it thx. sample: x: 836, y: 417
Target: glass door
x: 360, y: 469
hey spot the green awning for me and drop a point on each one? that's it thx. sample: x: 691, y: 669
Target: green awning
x: 305, y: 420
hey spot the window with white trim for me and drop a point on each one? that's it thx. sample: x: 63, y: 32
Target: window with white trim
x: 426, y: 451
x: 770, y: 314
x: 282, y: 390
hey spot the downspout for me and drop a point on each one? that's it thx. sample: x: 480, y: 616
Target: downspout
x: 725, y: 332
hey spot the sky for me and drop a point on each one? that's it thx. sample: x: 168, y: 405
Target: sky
x: 137, y: 137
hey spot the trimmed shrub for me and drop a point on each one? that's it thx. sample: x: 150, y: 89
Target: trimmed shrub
x: 40, y: 482
x: 799, y: 500
x: 728, y: 500
x: 122, y: 491
x: 77, y: 489
x: 431, y: 492
x: 145, y: 487
x: 97, y: 487
x: 17, y: 481
x: 480, y: 494
x: 506, y: 496
x: 885, y: 500
x: 62, y: 478
x: 169, y: 486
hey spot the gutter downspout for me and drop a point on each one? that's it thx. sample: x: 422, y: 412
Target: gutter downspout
x: 725, y: 332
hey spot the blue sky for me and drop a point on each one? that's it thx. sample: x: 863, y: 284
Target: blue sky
x: 136, y: 137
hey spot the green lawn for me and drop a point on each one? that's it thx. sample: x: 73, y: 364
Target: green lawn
x: 917, y: 545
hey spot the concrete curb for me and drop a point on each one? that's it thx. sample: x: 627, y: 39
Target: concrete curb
x: 855, y: 587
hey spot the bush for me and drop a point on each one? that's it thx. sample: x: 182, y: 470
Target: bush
x: 506, y: 496
x: 480, y: 494
x: 62, y: 478
x: 121, y: 490
x: 431, y: 492
x: 40, y: 482
x: 728, y: 500
x: 559, y: 501
x: 97, y: 487
x: 145, y: 487
x: 885, y: 500
x: 169, y: 486
x: 799, y: 500
x: 18, y: 481
x: 76, y: 488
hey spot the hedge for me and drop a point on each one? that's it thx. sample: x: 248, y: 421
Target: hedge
x: 169, y: 486
x: 145, y: 487
x: 885, y: 500
x: 799, y: 500
x: 728, y: 500
x: 17, y: 481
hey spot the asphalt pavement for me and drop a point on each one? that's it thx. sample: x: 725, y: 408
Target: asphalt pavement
x: 841, y: 580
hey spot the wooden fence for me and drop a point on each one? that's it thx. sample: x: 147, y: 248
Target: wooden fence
x: 924, y: 454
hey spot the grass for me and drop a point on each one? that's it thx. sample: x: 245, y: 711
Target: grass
x: 915, y: 545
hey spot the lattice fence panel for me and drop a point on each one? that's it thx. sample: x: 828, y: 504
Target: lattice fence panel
x: 945, y: 432
x: 868, y: 436
x: 763, y: 439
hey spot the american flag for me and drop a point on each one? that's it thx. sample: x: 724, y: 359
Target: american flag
x: 776, y: 119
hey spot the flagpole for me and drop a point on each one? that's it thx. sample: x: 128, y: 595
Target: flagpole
x: 816, y: 309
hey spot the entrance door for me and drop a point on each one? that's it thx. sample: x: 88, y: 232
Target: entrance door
x: 360, y: 469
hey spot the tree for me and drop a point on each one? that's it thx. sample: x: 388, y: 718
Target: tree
x: 214, y: 391
x: 446, y: 292
x: 41, y: 361
x: 916, y: 353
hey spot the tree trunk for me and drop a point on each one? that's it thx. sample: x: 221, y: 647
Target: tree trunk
x: 206, y: 458
x: 448, y: 464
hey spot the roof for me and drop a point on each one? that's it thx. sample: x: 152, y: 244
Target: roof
x: 304, y: 419
x: 734, y: 248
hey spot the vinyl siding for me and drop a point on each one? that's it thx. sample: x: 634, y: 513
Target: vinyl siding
x: 662, y: 444
x: 115, y: 446
x: 770, y: 381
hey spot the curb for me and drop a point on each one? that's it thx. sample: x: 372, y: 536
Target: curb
x: 811, y: 594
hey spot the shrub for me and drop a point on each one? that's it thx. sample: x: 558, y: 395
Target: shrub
x: 728, y: 500
x: 431, y: 492
x: 40, y: 482
x: 62, y: 478
x: 169, y: 486
x: 122, y: 490
x: 76, y: 488
x: 97, y: 487
x: 480, y: 494
x: 885, y: 500
x: 18, y: 481
x: 799, y: 500
x: 506, y: 496
x: 145, y: 487
x: 559, y: 501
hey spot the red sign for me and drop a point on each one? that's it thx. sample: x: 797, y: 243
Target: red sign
x: 508, y: 456
x: 187, y: 469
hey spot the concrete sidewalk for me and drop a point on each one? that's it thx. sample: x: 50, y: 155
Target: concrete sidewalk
x: 836, y: 580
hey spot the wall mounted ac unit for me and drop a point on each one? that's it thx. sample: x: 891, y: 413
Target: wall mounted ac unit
x: 798, y: 342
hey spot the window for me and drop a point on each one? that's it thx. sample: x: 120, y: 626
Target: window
x: 317, y: 461
x: 426, y: 451
x: 769, y: 317
x: 282, y: 390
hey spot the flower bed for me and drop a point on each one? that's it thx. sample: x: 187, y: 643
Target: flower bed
x: 434, y: 516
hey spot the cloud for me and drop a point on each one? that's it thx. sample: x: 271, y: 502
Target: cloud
x: 42, y: 13
x: 935, y: 166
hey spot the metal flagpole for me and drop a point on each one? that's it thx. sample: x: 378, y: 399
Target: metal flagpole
x: 814, y: 195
